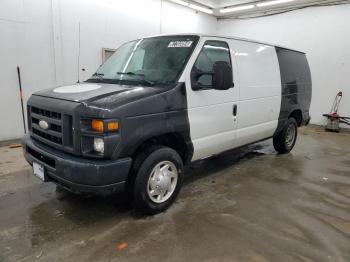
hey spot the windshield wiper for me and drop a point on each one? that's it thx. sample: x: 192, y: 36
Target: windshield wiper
x: 99, y: 75
x: 130, y: 74
x: 143, y: 80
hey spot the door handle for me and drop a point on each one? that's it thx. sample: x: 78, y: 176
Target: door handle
x: 234, y: 110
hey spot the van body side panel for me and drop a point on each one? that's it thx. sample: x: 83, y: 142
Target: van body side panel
x: 260, y: 91
x: 296, y: 85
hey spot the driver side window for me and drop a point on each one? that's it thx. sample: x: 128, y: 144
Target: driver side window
x: 212, y: 51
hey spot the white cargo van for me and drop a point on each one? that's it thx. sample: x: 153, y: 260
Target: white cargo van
x: 160, y: 103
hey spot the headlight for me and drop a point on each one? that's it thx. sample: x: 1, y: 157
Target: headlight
x: 99, y: 145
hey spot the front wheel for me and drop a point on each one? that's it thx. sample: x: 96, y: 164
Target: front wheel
x: 158, y: 181
x: 285, y: 140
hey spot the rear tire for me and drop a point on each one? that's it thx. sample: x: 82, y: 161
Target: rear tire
x: 285, y: 140
x: 158, y: 181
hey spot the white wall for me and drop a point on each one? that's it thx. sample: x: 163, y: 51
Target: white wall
x: 323, y: 33
x: 42, y: 37
x: 26, y: 41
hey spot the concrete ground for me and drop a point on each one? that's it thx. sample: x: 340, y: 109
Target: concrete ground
x: 247, y: 205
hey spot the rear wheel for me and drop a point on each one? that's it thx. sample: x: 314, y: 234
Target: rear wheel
x: 285, y: 140
x: 158, y: 181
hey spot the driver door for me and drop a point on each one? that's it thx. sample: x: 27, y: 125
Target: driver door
x: 212, y: 113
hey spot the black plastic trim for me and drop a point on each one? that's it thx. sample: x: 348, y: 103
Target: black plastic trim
x: 77, y: 172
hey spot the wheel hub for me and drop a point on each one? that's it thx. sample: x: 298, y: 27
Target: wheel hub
x: 162, y: 182
x: 290, y: 136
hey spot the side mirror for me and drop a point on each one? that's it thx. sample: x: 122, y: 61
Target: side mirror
x: 222, y: 75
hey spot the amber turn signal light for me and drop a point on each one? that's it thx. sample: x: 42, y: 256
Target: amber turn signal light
x: 113, y: 126
x: 97, y: 125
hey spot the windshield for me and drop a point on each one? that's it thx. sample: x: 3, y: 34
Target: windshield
x: 149, y: 61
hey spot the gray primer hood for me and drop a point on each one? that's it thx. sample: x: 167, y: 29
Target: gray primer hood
x: 83, y: 92
x: 101, y: 95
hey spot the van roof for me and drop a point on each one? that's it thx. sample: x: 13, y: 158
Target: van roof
x: 230, y: 37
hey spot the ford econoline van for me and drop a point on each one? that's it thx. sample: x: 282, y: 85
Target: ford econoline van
x: 160, y: 103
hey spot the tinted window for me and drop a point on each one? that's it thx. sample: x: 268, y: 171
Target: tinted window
x: 211, y: 52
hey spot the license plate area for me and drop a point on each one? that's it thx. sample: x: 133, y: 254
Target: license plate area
x: 39, y: 171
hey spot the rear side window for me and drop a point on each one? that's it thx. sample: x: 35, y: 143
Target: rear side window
x: 212, y: 51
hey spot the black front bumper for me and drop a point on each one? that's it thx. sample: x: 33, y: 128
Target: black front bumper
x: 77, y: 174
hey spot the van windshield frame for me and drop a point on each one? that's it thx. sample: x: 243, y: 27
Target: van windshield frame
x: 154, y: 61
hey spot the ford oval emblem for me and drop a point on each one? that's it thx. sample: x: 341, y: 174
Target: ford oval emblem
x: 43, y: 124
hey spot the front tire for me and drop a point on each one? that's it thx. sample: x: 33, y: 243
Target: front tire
x: 158, y: 181
x: 285, y: 140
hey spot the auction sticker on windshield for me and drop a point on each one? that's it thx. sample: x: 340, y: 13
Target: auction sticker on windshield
x: 180, y: 43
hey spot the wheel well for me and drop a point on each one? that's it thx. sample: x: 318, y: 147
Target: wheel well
x: 297, y: 115
x: 172, y: 140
